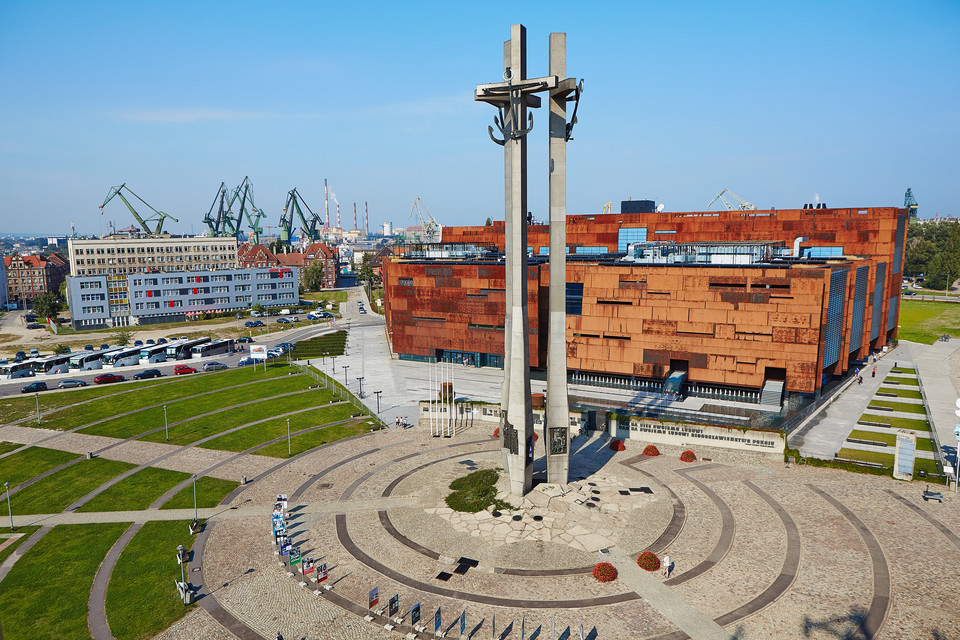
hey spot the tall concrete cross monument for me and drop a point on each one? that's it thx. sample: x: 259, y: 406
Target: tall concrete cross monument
x: 512, y: 98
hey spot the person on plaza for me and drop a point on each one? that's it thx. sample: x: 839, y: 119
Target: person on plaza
x: 666, y: 566
x: 874, y: 372
x: 859, y: 379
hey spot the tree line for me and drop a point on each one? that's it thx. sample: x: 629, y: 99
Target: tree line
x: 933, y: 251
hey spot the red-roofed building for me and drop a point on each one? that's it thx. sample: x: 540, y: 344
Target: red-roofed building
x: 29, y: 276
x: 260, y: 256
x: 255, y: 256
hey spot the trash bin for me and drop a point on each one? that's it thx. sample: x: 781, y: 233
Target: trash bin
x: 243, y: 479
x: 89, y: 455
x: 188, y: 597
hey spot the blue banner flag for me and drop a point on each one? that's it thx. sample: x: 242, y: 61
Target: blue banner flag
x: 436, y: 622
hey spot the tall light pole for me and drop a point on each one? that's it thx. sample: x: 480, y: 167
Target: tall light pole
x: 360, y: 380
x: 345, y: 367
x: 378, y: 402
x: 6, y: 485
x: 195, y: 496
x: 180, y: 550
x: 166, y: 433
x: 288, y: 438
x: 38, y: 408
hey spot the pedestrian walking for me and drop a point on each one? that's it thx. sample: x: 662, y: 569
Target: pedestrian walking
x: 666, y: 566
x: 279, y: 637
x: 874, y: 375
x: 859, y: 379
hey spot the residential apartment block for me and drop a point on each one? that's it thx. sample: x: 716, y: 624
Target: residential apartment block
x: 260, y: 256
x: 29, y: 276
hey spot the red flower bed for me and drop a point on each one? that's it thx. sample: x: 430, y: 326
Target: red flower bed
x: 496, y: 432
x: 649, y: 561
x: 535, y: 436
x: 604, y: 572
x: 651, y: 450
x: 617, y: 445
x: 688, y: 456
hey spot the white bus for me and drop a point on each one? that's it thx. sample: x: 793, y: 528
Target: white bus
x: 52, y: 364
x: 126, y: 357
x: 215, y: 348
x: 153, y: 353
x: 89, y: 360
x: 182, y: 350
x: 16, y: 370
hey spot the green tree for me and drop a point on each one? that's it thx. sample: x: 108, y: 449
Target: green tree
x: 47, y: 305
x: 59, y: 349
x: 313, y: 276
x: 258, y: 308
x: 122, y: 336
x: 488, y: 223
x: 918, y: 255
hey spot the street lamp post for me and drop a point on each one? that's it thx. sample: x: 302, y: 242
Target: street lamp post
x: 166, y: 433
x: 360, y: 380
x: 288, y: 438
x: 378, y: 402
x: 180, y: 550
x: 195, y: 497
x: 6, y: 485
x: 38, y: 408
x: 345, y: 367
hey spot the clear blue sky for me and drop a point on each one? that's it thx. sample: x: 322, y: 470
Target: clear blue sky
x: 854, y: 101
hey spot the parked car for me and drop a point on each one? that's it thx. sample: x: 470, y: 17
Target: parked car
x: 213, y: 366
x: 182, y: 369
x: 282, y: 321
x: 362, y: 310
x: 249, y: 324
x: 151, y: 341
x: 909, y: 293
x: 244, y: 361
x: 34, y: 353
x: 70, y: 383
x: 20, y: 356
x: 161, y: 341
x: 107, y: 378
x: 295, y: 319
x: 104, y: 346
x: 34, y: 387
x: 34, y: 325
x: 244, y: 339
x: 239, y: 316
x: 138, y: 343
x: 255, y: 314
x: 88, y: 347
x: 148, y: 373
x: 30, y: 317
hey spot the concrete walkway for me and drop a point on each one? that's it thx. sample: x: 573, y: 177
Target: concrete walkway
x: 940, y: 389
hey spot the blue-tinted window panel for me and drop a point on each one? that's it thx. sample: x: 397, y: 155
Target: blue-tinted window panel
x: 545, y: 251
x: 665, y: 231
x: 822, y: 252
x: 892, y: 312
x: 626, y: 237
x: 591, y: 250
x: 879, y: 283
x: 834, y: 328
x: 897, y: 265
x: 574, y: 298
x: 859, y: 308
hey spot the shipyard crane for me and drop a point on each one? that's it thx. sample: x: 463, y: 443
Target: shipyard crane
x: 910, y: 203
x: 244, y: 193
x: 220, y: 225
x: 743, y: 206
x: 428, y: 224
x: 158, y: 216
x: 309, y: 228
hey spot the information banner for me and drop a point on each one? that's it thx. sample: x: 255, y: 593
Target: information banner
x: 436, y: 621
x: 322, y: 572
x: 415, y: 614
x: 374, y: 597
x: 394, y: 605
x: 285, y: 548
x: 295, y: 555
x: 258, y: 351
x: 307, y: 566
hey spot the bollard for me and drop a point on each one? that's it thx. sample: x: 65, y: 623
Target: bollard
x: 89, y: 455
x: 243, y: 479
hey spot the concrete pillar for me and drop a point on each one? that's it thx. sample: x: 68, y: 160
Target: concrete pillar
x: 612, y: 422
x: 557, y: 423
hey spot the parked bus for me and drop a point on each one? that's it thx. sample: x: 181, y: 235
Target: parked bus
x: 126, y: 357
x: 52, y: 364
x: 16, y: 370
x: 182, y: 350
x: 153, y: 353
x: 89, y: 360
x: 215, y: 348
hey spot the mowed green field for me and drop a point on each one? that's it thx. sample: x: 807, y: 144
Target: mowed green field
x: 925, y: 322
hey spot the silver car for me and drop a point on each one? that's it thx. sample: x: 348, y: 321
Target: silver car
x: 214, y: 366
x: 70, y: 383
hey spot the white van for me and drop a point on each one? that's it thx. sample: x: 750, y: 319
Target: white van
x: 284, y: 312
x: 255, y: 314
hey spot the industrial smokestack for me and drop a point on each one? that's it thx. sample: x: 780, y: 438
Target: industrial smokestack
x: 326, y: 202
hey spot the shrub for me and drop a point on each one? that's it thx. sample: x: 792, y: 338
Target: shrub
x: 651, y: 450
x: 688, y: 456
x: 604, y: 572
x: 475, y: 492
x: 617, y: 445
x: 496, y: 432
x: 648, y: 560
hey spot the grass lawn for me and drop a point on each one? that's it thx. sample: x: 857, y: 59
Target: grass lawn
x: 7, y: 447
x: 200, y: 428
x: 903, y: 393
x: 44, y: 597
x: 177, y: 410
x: 899, y: 406
x: 920, y: 464
x: 331, y: 344
x: 136, y: 492
x: 13, y: 409
x: 909, y: 370
x: 897, y: 423
x: 925, y: 322
x: 141, y: 598
x: 907, y: 382
x: 30, y: 463
x: 26, y: 531
x: 56, y: 492
x: 210, y: 491
x: 266, y: 431
x: 889, y: 438
x: 307, y: 441
x: 329, y: 296
x: 925, y: 444
x: 886, y: 459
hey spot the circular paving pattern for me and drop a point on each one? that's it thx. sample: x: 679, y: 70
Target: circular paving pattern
x: 760, y: 550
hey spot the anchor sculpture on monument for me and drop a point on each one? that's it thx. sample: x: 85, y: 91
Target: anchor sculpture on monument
x: 512, y: 98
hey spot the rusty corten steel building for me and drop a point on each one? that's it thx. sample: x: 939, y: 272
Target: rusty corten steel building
x: 829, y: 297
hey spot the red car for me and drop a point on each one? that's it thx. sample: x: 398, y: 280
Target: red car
x: 182, y: 368
x: 105, y: 378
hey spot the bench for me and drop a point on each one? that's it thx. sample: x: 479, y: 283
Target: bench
x: 932, y: 495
